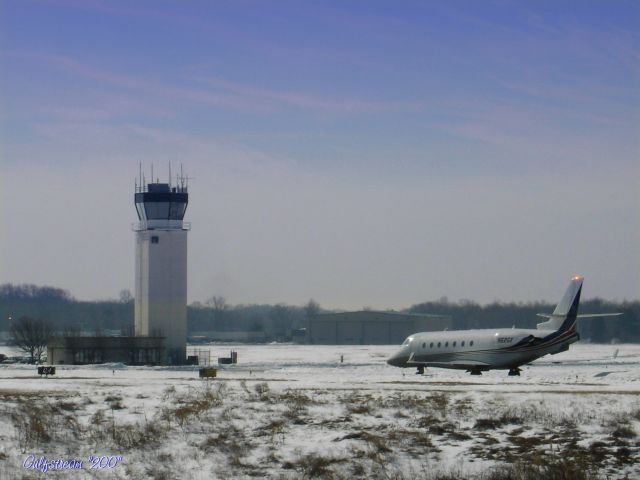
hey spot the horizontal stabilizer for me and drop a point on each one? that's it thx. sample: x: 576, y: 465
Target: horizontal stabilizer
x: 584, y: 315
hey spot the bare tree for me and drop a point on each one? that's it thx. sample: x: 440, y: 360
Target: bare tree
x: 125, y: 296
x: 127, y: 331
x: 311, y: 309
x: 281, y: 317
x: 219, y: 307
x: 71, y: 331
x: 31, y: 335
x: 218, y: 303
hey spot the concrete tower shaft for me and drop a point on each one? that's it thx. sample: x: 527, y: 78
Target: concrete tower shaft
x: 161, y: 266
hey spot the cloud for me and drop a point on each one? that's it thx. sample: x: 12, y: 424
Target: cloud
x: 227, y: 94
x: 147, y: 87
x: 304, y: 100
x: 119, y: 9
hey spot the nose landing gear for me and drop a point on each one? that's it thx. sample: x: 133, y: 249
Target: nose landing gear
x: 420, y: 370
x: 514, y: 372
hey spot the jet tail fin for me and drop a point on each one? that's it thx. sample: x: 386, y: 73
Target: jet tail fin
x: 566, y: 312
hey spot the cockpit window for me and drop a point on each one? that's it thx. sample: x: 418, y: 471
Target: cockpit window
x: 407, y: 341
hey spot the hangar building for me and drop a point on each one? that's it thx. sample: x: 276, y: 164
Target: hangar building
x: 370, y: 327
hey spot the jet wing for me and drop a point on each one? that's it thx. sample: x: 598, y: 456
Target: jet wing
x: 454, y: 363
x: 469, y: 363
x: 585, y: 315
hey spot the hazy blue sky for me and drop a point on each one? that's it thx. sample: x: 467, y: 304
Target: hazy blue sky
x: 357, y: 152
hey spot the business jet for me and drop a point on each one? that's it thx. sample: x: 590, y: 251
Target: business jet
x: 477, y: 351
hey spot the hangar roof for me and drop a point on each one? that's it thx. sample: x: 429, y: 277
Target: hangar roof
x: 372, y: 315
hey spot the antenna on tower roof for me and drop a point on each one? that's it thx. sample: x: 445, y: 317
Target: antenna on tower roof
x: 169, y: 174
x: 152, y: 173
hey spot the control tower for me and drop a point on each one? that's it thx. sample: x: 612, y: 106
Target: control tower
x: 161, y: 264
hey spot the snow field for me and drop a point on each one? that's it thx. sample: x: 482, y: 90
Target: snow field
x: 292, y: 411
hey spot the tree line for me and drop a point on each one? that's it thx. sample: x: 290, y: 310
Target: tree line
x: 278, y: 322
x: 466, y: 314
x: 65, y: 314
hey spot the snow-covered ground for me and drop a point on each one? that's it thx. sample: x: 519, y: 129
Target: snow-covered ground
x: 297, y: 410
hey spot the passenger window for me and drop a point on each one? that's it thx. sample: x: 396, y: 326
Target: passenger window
x: 424, y: 345
x: 431, y: 345
x: 454, y: 344
x: 439, y: 344
x: 471, y: 343
x: 446, y: 344
x: 462, y: 343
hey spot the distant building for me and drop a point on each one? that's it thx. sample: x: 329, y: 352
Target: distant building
x: 241, y: 336
x: 76, y: 350
x: 370, y: 328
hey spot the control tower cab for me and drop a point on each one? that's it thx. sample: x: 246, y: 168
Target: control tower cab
x: 161, y: 265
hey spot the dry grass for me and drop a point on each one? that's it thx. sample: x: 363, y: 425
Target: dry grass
x: 276, y: 430
x: 15, y: 394
x: 232, y: 442
x: 313, y: 465
x: 551, y: 470
x: 358, y: 404
x: 40, y: 423
x: 262, y: 390
x: 184, y: 408
x: 377, y: 442
x: 252, y: 432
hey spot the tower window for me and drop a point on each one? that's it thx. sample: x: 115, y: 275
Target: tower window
x: 155, y: 239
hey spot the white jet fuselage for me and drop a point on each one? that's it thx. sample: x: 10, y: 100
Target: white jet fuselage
x: 480, y: 349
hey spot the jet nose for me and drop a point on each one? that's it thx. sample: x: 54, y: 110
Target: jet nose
x: 398, y: 359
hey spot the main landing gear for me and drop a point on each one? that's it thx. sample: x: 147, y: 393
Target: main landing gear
x: 514, y: 372
x: 475, y: 371
x: 420, y: 370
